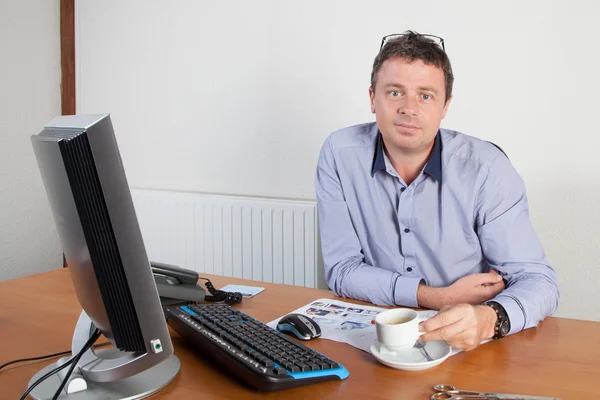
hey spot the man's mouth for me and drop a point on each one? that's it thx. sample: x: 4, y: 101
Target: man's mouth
x: 407, y: 126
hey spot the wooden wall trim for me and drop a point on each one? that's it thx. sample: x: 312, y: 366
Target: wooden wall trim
x: 67, y: 62
x: 67, y: 56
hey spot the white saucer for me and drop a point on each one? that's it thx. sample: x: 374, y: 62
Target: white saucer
x: 411, y: 358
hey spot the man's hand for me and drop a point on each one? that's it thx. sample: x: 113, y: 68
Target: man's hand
x: 470, y: 289
x: 462, y: 326
x: 475, y: 288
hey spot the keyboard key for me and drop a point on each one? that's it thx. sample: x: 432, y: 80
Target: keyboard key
x: 266, y: 362
x: 324, y: 365
x: 314, y: 366
x: 304, y: 367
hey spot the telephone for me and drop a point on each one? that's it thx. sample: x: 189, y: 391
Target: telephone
x: 178, y: 285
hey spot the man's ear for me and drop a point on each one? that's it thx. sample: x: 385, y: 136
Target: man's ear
x: 446, y: 107
x: 372, y: 97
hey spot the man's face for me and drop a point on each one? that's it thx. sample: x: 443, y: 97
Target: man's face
x: 409, y: 104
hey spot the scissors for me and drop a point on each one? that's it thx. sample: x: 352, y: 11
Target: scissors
x: 450, y: 392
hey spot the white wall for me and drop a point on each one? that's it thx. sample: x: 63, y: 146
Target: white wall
x: 29, y: 98
x: 237, y: 97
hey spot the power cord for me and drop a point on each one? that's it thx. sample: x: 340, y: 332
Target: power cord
x: 220, y: 295
x: 43, y: 378
x: 62, y: 353
x: 75, y: 359
x: 86, y: 347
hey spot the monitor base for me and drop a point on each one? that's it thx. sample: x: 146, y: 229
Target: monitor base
x: 137, y: 386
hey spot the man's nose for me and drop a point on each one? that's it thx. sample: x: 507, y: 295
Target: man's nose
x: 408, y: 106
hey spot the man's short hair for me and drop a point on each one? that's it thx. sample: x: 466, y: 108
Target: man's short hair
x: 414, y: 46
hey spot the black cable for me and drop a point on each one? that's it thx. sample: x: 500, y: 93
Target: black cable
x: 62, y: 353
x: 85, y: 348
x: 43, y: 378
x: 220, y: 295
x: 87, y: 345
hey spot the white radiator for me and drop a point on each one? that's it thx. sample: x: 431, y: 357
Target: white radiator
x: 267, y: 240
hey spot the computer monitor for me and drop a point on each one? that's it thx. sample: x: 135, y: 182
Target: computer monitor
x: 83, y: 174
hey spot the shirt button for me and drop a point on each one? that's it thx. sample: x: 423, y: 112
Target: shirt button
x: 409, y: 269
x: 406, y: 230
x: 402, y: 189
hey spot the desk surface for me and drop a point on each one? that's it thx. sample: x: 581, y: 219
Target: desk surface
x: 560, y: 358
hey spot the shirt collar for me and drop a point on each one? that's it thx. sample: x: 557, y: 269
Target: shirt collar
x: 379, y: 160
x: 434, y: 164
x: 432, y: 168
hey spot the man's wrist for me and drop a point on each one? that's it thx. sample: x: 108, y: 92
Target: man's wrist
x: 490, y: 319
x: 433, y: 298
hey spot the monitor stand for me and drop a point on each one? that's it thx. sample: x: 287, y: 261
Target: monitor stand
x: 103, y: 364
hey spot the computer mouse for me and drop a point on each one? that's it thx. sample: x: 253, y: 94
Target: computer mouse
x: 299, y: 325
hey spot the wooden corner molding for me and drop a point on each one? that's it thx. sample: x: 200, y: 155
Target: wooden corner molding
x: 67, y: 56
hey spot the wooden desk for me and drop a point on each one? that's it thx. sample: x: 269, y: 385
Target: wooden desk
x: 560, y: 358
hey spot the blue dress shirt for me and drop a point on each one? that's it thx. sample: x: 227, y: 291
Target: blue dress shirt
x: 465, y: 213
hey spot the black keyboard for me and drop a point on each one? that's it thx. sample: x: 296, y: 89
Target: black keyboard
x: 250, y: 350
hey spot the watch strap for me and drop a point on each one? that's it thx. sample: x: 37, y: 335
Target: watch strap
x: 502, y: 326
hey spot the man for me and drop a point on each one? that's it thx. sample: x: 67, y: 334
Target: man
x: 414, y: 215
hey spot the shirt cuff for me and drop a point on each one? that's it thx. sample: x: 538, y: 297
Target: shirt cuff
x: 405, y: 291
x: 515, y: 312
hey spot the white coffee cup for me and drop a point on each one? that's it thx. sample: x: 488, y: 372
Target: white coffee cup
x: 397, y: 328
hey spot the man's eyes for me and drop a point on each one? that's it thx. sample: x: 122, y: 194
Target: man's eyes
x: 397, y: 94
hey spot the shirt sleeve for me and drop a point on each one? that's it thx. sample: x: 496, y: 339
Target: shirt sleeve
x: 346, y: 272
x: 512, y: 247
